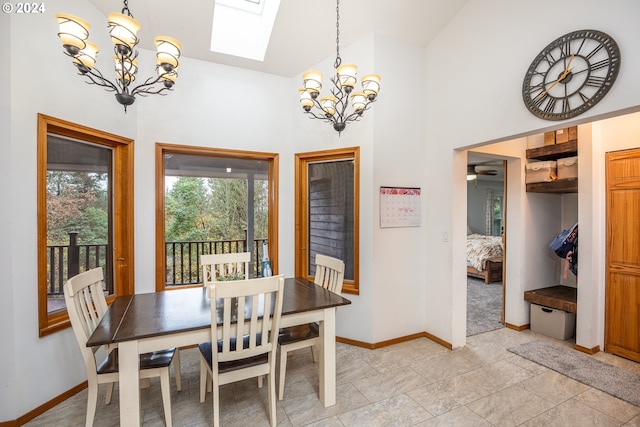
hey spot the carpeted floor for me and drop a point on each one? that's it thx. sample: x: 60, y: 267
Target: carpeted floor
x: 484, y: 306
x: 610, y: 379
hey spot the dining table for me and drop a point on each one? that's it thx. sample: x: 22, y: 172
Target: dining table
x: 146, y: 322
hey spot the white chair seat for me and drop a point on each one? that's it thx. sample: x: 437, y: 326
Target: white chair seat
x: 156, y: 359
x: 223, y: 367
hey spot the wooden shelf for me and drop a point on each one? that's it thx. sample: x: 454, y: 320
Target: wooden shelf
x: 563, y: 298
x: 561, y: 186
x: 555, y: 151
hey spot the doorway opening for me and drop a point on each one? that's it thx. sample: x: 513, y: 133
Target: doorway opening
x: 486, y: 215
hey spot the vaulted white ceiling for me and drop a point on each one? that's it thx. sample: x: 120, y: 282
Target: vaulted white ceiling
x: 304, y: 32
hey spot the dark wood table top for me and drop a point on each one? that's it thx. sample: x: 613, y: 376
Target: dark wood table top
x: 152, y: 314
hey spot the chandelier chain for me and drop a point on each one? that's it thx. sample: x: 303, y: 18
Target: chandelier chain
x: 334, y: 108
x: 338, y: 59
x: 126, y: 8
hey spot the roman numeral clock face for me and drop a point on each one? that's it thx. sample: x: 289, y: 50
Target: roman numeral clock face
x: 571, y: 75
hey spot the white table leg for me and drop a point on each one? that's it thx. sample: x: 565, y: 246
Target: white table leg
x: 328, y: 358
x: 129, y: 383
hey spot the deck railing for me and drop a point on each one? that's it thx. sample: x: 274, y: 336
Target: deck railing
x: 64, y: 261
x: 182, y: 260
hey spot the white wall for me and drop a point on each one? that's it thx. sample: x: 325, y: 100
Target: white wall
x: 400, y: 156
x: 483, y: 55
x: 43, y: 80
x: 7, y: 331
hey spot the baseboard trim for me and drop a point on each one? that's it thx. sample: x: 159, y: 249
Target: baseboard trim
x: 438, y: 340
x: 589, y: 351
x: 355, y: 343
x: 516, y: 327
x: 373, y: 346
x: 44, y: 407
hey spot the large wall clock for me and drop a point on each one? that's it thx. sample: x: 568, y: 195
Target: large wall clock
x: 571, y: 75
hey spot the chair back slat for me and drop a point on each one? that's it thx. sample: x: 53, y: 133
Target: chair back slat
x: 86, y: 305
x: 221, y: 267
x: 329, y: 273
x: 242, y: 337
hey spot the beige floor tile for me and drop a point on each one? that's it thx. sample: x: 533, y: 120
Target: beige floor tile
x: 609, y: 405
x: 459, y: 417
x: 327, y: 422
x: 527, y: 364
x: 572, y: 413
x: 486, y: 353
x: 307, y: 409
x: 400, y: 356
x: 634, y: 422
x: 398, y: 410
x: 440, y: 368
x: 498, y: 335
x: 554, y: 387
x: 389, y: 383
x: 443, y: 396
x: 296, y: 384
x: 510, y: 407
x: 349, y: 370
x: 498, y: 375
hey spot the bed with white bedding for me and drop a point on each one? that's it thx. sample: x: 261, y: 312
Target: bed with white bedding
x: 484, y: 257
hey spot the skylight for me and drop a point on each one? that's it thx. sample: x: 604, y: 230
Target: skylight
x: 243, y: 27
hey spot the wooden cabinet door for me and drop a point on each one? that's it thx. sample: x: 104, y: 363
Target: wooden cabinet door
x: 622, y: 298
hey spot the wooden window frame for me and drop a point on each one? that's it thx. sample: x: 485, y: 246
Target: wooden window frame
x: 161, y: 149
x: 123, y: 236
x: 302, y: 160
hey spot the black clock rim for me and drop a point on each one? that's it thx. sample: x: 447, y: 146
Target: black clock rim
x: 614, y: 52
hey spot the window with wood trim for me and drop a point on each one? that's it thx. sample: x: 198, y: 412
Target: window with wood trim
x: 213, y: 201
x: 327, y: 200
x: 85, y: 213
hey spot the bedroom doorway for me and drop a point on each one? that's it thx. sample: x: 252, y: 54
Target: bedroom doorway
x: 486, y: 219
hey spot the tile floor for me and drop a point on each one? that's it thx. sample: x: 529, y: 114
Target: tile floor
x: 416, y: 383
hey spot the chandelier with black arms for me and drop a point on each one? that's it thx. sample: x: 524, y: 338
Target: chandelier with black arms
x: 123, y: 29
x: 334, y: 108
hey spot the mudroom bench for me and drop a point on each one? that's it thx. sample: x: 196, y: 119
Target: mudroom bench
x: 563, y: 298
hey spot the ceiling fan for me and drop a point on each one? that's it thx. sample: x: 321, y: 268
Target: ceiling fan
x: 474, y: 170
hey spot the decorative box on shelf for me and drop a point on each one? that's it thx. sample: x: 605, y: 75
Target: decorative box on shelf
x: 554, y: 152
x: 540, y: 171
x: 567, y: 167
x: 549, y: 138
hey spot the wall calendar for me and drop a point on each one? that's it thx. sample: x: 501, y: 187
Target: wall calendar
x: 399, y: 207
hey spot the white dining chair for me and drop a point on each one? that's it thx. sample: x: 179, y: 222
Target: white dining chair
x: 223, y: 267
x: 329, y: 275
x: 86, y: 305
x: 243, y: 348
